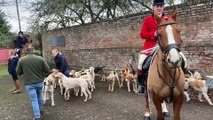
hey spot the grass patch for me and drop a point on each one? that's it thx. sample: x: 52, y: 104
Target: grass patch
x: 3, y: 70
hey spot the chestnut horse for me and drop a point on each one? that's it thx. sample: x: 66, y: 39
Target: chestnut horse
x: 165, y: 77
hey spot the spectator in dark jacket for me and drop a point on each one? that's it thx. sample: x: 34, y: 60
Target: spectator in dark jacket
x: 60, y: 62
x: 21, y: 40
x: 12, y: 64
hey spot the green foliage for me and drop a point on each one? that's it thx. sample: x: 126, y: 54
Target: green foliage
x: 3, y: 70
x: 38, y: 52
x: 133, y: 56
x: 5, y: 35
x: 50, y: 62
x: 5, y: 40
x: 51, y: 14
x: 64, y: 13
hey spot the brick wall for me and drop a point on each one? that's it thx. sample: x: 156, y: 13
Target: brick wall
x: 113, y: 43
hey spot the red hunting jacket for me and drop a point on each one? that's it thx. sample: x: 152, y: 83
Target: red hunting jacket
x: 148, y: 29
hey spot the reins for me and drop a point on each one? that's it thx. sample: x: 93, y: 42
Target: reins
x: 174, y: 81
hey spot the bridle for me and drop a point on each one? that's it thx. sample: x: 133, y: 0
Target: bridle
x: 170, y: 46
x: 172, y: 76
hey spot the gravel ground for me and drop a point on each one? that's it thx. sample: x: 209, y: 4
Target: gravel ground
x: 119, y: 105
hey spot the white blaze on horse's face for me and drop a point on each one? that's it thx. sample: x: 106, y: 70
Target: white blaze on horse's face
x: 174, y: 58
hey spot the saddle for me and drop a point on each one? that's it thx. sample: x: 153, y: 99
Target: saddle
x: 146, y: 66
x: 148, y: 62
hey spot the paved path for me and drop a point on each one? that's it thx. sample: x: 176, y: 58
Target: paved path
x: 104, y: 105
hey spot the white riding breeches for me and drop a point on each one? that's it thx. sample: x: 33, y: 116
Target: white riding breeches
x: 141, y: 60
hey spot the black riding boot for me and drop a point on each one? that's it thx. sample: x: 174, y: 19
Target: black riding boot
x: 141, y: 84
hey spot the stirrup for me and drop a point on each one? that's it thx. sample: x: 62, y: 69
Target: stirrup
x: 140, y: 89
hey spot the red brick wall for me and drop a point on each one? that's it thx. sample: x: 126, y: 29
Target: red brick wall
x: 4, y: 55
x: 112, y: 43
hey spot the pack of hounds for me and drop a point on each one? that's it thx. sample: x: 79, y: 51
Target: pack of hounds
x: 197, y: 81
x: 83, y: 82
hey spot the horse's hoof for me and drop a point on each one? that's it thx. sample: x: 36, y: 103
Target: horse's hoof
x: 166, y: 114
x: 147, y: 118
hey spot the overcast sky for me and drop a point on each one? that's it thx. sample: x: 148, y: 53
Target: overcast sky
x: 11, y: 14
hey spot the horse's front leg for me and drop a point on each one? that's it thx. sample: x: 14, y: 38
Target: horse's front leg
x: 164, y: 109
x: 158, y: 107
x: 176, y: 106
x: 147, y: 109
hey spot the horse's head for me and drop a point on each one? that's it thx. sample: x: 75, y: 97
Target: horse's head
x: 169, y: 39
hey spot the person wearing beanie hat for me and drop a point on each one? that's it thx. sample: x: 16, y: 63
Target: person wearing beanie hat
x: 33, y: 68
x: 148, y: 33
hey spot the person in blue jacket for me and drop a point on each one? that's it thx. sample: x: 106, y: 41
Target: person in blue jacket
x: 12, y: 64
x: 61, y: 62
